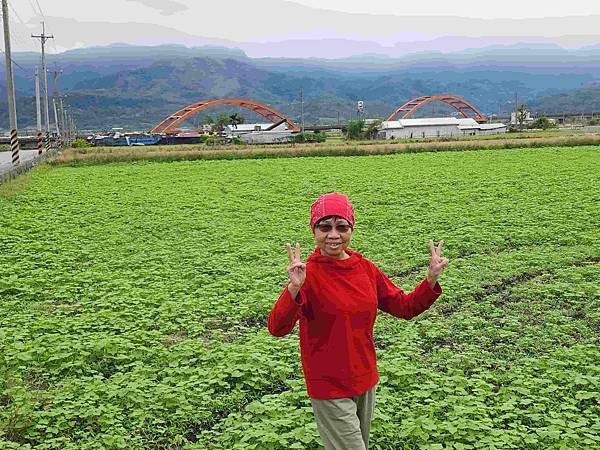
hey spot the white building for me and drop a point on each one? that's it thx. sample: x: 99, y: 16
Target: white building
x: 436, y: 127
x: 267, y: 137
x: 244, y: 128
x: 527, y: 119
x: 259, y: 133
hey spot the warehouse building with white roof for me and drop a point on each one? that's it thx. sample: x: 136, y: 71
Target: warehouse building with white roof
x: 436, y: 127
x: 260, y: 133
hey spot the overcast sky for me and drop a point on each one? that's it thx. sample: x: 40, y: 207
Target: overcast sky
x: 515, y: 9
x: 78, y: 23
x: 151, y: 10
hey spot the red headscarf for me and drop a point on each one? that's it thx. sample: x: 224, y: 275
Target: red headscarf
x: 333, y: 204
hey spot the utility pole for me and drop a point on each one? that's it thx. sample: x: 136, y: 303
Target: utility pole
x: 38, y: 112
x: 10, y: 85
x: 55, y: 97
x: 38, y: 106
x: 70, y: 124
x: 516, y: 111
x: 64, y: 121
x: 58, y: 139
x: 302, y: 111
x: 43, y: 38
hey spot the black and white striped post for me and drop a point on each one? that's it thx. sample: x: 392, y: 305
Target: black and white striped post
x: 40, y: 142
x: 47, y: 142
x: 14, y: 147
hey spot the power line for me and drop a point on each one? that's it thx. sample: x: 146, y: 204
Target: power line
x: 18, y: 37
x: 44, y: 20
x: 32, y: 7
x: 43, y: 38
x: 18, y: 65
x: 40, y: 8
x: 39, y: 12
x: 11, y: 31
x: 16, y: 14
x: 20, y: 40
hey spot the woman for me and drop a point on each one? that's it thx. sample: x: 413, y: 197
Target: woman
x: 335, y: 296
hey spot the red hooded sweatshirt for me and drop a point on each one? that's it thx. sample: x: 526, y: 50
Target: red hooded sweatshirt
x: 337, y: 306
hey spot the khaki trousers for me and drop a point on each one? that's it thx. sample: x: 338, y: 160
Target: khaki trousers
x: 345, y: 423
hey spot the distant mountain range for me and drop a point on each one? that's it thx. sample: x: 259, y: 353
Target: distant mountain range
x: 136, y: 86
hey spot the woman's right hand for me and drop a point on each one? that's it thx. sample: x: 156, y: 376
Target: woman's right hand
x: 296, y: 269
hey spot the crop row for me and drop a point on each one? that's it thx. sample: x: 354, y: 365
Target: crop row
x: 133, y: 307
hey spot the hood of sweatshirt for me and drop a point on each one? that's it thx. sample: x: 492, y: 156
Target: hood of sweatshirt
x: 336, y: 264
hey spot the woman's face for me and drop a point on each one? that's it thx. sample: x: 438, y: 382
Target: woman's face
x: 332, y: 236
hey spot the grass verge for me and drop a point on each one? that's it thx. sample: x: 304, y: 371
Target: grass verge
x: 108, y: 155
x: 18, y: 184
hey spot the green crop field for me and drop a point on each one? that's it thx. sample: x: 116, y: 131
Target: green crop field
x: 133, y: 301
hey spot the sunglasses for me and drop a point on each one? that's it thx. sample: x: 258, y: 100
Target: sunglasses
x: 326, y: 228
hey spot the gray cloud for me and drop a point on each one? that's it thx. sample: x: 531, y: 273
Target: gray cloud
x: 293, y: 30
x: 166, y: 7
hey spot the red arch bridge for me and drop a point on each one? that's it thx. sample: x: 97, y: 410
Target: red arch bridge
x: 460, y: 104
x: 170, y: 124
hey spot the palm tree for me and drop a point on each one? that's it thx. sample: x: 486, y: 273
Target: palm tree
x: 236, y: 119
x: 220, y: 123
x: 522, y: 114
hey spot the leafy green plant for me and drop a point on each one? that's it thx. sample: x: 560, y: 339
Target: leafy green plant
x: 355, y: 130
x: 215, y: 140
x: 80, y: 143
x: 135, y: 297
x: 542, y: 123
x: 312, y: 137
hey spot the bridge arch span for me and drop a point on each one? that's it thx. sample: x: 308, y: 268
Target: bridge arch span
x: 460, y: 104
x: 169, y: 125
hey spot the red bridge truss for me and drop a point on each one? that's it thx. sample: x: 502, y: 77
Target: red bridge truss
x: 169, y: 125
x: 460, y: 104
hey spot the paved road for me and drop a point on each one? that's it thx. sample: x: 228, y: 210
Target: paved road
x: 5, y: 159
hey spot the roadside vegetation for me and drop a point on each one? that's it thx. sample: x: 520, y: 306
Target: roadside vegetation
x: 216, y: 150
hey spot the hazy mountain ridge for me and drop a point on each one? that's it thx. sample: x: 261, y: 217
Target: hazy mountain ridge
x: 139, y: 86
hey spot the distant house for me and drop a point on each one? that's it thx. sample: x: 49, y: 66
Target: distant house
x: 243, y: 128
x: 436, y: 127
x: 527, y: 119
x: 259, y: 133
x: 267, y: 137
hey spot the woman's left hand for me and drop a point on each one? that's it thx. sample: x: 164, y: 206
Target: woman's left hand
x: 437, y: 263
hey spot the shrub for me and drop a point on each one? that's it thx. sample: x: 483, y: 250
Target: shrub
x: 355, y: 130
x: 542, y: 122
x: 317, y: 136
x: 80, y: 143
x: 594, y: 121
x: 216, y: 140
x: 372, y: 129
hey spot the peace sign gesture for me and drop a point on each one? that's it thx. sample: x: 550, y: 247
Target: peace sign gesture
x: 437, y: 263
x: 296, y: 269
